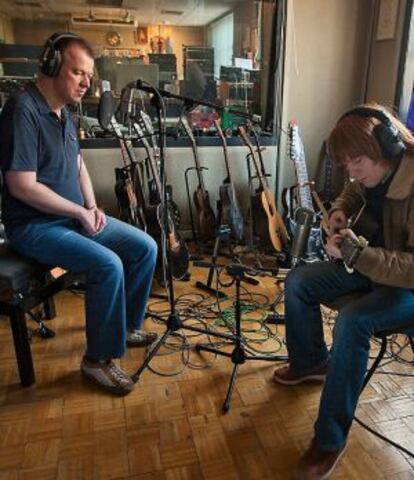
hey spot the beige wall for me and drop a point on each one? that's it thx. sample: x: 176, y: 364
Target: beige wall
x: 36, y: 33
x: 325, y: 71
x: 6, y: 29
x: 384, y: 62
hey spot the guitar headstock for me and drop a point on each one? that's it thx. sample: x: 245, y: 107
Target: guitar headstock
x: 220, y: 132
x: 146, y: 120
x: 188, y: 129
x: 296, y: 149
x: 245, y: 137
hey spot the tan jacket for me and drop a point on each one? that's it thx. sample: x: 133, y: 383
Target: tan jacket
x: 393, y: 265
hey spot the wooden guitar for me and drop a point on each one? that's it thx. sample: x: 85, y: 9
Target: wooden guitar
x: 268, y: 223
x: 176, y: 244
x: 230, y: 208
x: 206, y: 220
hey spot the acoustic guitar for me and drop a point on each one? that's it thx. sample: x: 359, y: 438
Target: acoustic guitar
x: 155, y: 218
x: 268, y: 223
x: 206, y: 220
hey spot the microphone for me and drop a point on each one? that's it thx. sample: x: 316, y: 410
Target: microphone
x: 105, y: 109
x: 304, y: 221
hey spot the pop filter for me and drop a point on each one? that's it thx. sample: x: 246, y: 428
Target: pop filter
x: 105, y: 109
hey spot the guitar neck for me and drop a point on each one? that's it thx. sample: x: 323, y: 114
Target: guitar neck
x: 151, y: 158
x: 225, y: 150
x: 305, y: 192
x: 259, y: 153
x: 256, y: 161
x: 195, y: 154
x: 297, y: 155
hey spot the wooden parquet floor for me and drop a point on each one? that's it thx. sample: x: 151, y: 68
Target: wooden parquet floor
x: 172, y: 427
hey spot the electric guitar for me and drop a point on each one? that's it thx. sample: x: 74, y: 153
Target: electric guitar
x: 206, y: 220
x: 177, y: 246
x: 315, y: 250
x: 268, y: 223
x: 129, y: 184
x: 154, y: 198
x: 230, y: 209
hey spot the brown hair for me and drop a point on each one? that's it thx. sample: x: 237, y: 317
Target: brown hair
x: 353, y: 136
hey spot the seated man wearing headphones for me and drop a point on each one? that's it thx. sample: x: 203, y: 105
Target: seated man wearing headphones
x: 50, y: 212
x: 377, y: 152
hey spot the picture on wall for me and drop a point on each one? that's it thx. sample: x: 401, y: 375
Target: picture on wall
x: 141, y: 35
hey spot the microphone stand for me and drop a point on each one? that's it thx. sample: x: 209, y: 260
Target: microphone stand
x: 239, y: 355
x: 174, y: 321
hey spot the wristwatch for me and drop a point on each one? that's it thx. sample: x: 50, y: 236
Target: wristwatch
x: 351, y: 249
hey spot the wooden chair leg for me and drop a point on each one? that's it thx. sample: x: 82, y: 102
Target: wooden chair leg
x: 49, y: 308
x: 22, y: 347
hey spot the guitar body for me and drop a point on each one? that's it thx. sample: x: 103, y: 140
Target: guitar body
x: 154, y: 199
x: 205, y: 216
x: 277, y: 235
x: 178, y: 249
x: 179, y: 256
x: 129, y: 210
x: 315, y: 248
x: 277, y: 230
x: 230, y: 211
x: 260, y: 221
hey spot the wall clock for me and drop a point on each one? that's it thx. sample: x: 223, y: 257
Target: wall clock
x: 113, y: 38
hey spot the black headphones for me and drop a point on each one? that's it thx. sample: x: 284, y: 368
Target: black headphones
x: 51, y: 58
x: 386, y: 133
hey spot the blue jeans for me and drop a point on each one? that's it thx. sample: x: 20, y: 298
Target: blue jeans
x: 382, y: 308
x: 118, y: 264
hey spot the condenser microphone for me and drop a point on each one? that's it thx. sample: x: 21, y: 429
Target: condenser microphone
x: 105, y: 109
x: 304, y: 221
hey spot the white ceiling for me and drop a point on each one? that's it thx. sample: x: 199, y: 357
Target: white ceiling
x: 172, y: 12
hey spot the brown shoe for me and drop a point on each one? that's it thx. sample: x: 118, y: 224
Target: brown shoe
x: 108, y: 376
x: 287, y: 376
x: 140, y: 338
x: 317, y: 464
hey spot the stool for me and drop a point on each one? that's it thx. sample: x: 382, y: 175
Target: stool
x: 25, y: 284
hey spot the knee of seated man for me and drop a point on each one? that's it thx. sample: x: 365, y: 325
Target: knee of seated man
x: 112, y: 263
x: 152, y: 246
x: 351, y: 321
x: 298, y: 281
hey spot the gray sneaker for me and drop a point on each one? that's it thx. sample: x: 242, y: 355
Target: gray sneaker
x: 140, y: 338
x: 108, y: 376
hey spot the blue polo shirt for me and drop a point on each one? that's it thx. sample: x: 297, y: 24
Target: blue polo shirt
x: 33, y: 138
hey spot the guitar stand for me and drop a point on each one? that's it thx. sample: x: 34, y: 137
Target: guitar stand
x: 223, y: 233
x: 190, y: 207
x: 276, y: 318
x: 238, y: 355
